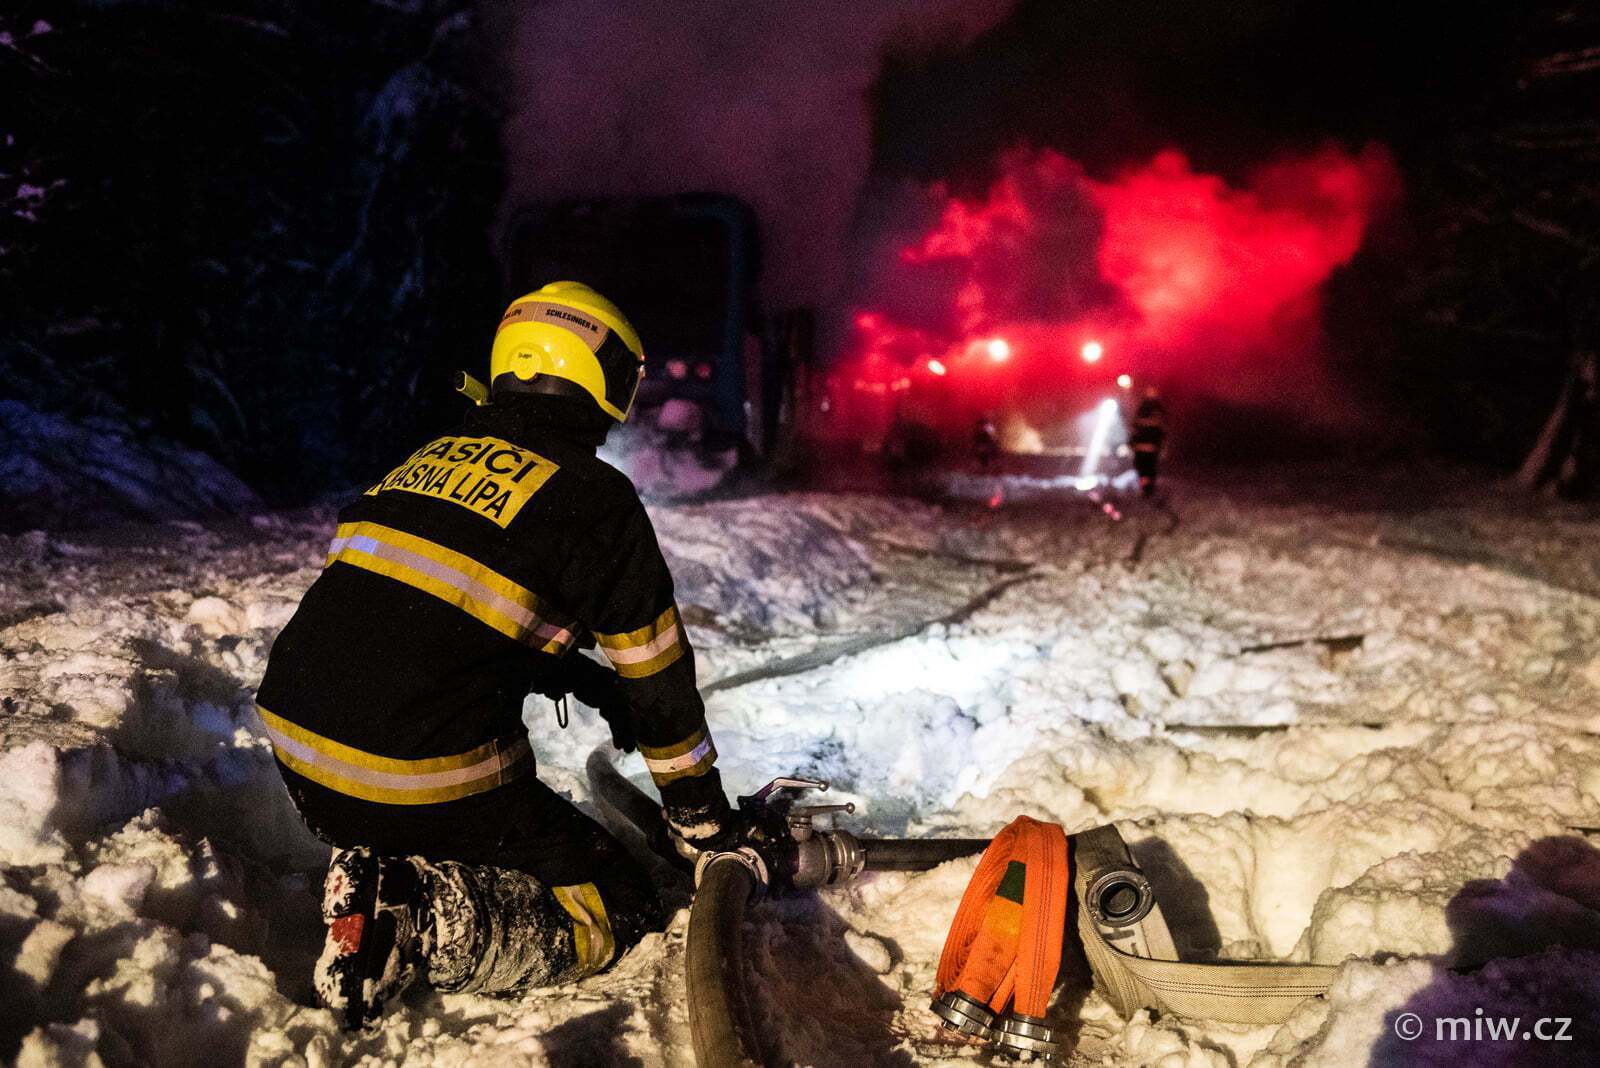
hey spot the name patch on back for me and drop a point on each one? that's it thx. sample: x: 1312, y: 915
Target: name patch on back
x: 488, y: 476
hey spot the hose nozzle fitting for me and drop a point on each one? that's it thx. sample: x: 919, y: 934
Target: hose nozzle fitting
x: 1119, y: 897
x: 964, y: 1014
x: 1026, y: 1037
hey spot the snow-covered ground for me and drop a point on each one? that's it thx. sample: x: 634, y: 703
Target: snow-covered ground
x: 65, y: 474
x: 1332, y: 730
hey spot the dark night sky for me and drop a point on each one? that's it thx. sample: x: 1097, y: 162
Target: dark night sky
x: 1107, y: 82
x: 201, y: 254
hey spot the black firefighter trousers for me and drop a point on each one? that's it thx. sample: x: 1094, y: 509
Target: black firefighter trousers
x: 514, y: 873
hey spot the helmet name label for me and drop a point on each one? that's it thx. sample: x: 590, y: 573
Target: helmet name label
x: 487, y: 476
x: 591, y: 333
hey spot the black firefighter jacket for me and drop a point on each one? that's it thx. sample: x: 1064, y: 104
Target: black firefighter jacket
x: 452, y: 587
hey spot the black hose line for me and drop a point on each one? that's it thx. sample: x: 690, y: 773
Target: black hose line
x: 917, y: 854
x: 719, y: 1008
x: 882, y: 854
x: 720, y: 1023
x: 627, y: 801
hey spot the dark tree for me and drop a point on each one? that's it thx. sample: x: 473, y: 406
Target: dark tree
x: 258, y: 227
x: 1512, y: 222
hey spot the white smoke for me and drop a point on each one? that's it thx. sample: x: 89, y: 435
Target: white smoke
x: 763, y: 99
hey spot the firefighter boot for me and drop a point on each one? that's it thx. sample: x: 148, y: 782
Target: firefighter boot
x: 502, y: 932
x: 379, y: 931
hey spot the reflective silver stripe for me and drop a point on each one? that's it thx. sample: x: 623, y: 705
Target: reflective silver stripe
x: 639, y: 653
x: 524, y: 617
x: 445, y: 573
x: 433, y: 780
x: 680, y: 763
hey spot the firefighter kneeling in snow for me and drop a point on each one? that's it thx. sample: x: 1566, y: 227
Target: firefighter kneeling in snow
x: 468, y: 577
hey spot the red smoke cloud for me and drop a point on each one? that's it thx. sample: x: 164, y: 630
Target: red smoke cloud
x: 1181, y: 278
x: 1194, y: 257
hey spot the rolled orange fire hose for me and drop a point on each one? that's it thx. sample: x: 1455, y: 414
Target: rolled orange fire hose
x: 1003, y: 953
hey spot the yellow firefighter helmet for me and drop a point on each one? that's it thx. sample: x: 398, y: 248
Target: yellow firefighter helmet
x: 566, y: 330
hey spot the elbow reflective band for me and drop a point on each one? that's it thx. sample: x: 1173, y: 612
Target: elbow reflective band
x: 1004, y: 947
x: 683, y: 760
x: 481, y: 592
x: 638, y: 654
x: 592, y: 938
x: 391, y: 781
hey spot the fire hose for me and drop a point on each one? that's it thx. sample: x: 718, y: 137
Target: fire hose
x: 720, y: 1021
x: 1129, y: 948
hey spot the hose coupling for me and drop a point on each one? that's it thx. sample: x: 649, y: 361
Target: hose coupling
x: 828, y: 858
x: 748, y: 858
x: 1026, y: 1037
x: 964, y: 1014
x: 1120, y: 897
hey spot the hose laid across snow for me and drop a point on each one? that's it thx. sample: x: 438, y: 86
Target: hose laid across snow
x: 623, y: 798
x: 882, y: 854
x: 917, y: 854
x: 719, y: 1007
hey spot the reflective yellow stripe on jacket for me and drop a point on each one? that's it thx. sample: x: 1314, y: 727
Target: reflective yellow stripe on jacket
x: 684, y: 760
x: 479, y: 591
x: 392, y: 781
x: 638, y: 654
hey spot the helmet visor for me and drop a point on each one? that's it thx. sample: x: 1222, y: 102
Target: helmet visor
x: 623, y: 371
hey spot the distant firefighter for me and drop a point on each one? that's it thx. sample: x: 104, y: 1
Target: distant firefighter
x: 1148, y: 439
x: 985, y: 441
x: 1566, y: 457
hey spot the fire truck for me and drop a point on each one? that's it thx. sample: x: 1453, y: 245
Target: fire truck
x: 719, y: 370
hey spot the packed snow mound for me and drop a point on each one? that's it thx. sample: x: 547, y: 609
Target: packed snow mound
x: 56, y: 474
x: 1326, y: 737
x: 780, y: 564
x: 665, y: 457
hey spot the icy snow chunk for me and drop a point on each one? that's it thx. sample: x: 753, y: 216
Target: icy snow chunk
x: 1140, y: 684
x: 1165, y: 1045
x: 215, y: 617
x: 59, y: 1045
x: 41, y: 951
x: 17, y: 906
x: 121, y: 886
x: 268, y: 614
x: 29, y: 786
x: 1167, y: 644
x: 871, y: 949
x: 95, y: 686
